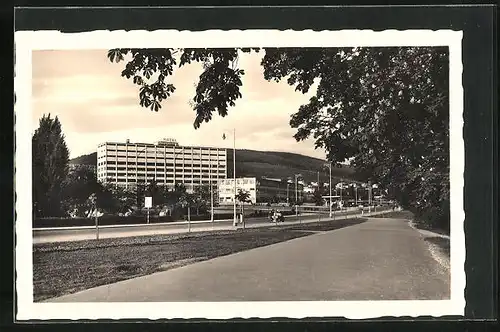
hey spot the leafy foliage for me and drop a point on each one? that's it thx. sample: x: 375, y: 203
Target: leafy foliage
x: 77, y: 188
x: 201, y: 198
x: 384, y: 108
x: 217, y: 89
x: 318, y: 196
x: 243, y: 196
x: 50, y: 157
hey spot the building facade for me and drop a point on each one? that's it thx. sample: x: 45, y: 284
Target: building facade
x: 261, y: 190
x: 128, y: 164
x: 226, y: 193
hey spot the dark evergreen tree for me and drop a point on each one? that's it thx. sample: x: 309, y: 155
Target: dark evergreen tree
x: 50, y: 158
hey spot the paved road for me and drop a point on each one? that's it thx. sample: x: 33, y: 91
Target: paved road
x: 47, y: 236
x: 381, y: 259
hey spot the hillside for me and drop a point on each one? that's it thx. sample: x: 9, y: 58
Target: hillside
x: 264, y: 163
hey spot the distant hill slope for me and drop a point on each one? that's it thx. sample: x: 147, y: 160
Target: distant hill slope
x: 86, y: 159
x: 265, y: 163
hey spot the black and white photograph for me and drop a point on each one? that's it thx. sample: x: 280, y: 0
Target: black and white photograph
x: 177, y: 174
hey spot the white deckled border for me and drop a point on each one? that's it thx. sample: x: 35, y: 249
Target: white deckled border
x: 27, y: 41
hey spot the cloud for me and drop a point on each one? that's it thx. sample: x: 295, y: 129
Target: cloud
x: 95, y: 104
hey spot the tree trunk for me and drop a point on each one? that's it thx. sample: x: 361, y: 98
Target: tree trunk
x: 243, y: 214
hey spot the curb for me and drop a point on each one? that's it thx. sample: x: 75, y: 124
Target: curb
x: 127, y: 225
x: 427, y: 232
x: 173, y: 223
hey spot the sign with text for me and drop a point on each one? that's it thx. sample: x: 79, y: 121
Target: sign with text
x: 148, y: 202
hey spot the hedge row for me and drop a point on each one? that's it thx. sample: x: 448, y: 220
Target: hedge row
x: 130, y: 220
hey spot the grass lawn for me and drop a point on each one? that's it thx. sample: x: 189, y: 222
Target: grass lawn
x: 409, y: 216
x: 63, y: 268
x: 395, y: 214
x: 442, y: 243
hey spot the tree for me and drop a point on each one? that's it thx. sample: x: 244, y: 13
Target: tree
x: 186, y: 200
x: 172, y: 197
x: 156, y: 192
x: 383, y: 108
x: 140, y: 194
x: 243, y: 197
x: 318, y: 196
x: 106, y: 198
x: 50, y: 158
x: 201, y: 197
x: 77, y: 188
x: 125, y: 198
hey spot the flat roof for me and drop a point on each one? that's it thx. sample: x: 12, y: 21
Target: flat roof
x: 178, y: 146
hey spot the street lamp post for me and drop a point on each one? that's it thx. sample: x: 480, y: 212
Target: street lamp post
x: 211, y: 190
x: 369, y: 196
x: 329, y: 165
x: 235, y: 220
x: 287, y: 188
x: 234, y: 176
x: 356, y: 193
x: 297, y: 194
x: 341, y: 203
x: 330, y: 187
x: 296, y: 197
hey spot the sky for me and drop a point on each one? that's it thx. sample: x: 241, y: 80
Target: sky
x: 95, y: 104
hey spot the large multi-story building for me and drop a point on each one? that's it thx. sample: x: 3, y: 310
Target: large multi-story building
x: 261, y: 190
x: 128, y: 164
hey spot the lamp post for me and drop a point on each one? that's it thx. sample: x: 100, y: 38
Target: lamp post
x: 287, y: 188
x: 356, y: 193
x: 330, y: 188
x: 329, y: 165
x: 297, y: 195
x: 211, y: 190
x: 341, y: 203
x: 369, y: 196
x: 234, y: 176
x: 235, y: 220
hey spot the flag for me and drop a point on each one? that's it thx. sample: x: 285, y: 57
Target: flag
x: 223, y: 136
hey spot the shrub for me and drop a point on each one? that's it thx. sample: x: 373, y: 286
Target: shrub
x: 104, y: 220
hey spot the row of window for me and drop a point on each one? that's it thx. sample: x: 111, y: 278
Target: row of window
x: 177, y: 163
x: 157, y: 165
x: 113, y: 170
x: 134, y: 175
x: 184, y: 151
x: 238, y: 181
x: 232, y: 189
x: 162, y: 169
x: 160, y: 157
x: 159, y: 181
